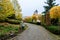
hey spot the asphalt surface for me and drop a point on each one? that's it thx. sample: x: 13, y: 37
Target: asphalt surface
x: 34, y: 32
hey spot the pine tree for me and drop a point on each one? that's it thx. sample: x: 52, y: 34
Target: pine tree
x: 50, y: 4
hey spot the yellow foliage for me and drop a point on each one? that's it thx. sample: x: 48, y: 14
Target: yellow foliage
x: 55, y: 12
x: 41, y: 18
x: 6, y: 9
x: 19, y: 16
x: 34, y: 17
x: 28, y: 19
x: 17, y: 8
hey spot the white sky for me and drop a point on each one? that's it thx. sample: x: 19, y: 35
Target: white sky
x: 29, y: 6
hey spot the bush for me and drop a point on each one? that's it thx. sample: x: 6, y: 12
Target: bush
x: 54, y: 29
x: 54, y: 21
x: 13, y: 21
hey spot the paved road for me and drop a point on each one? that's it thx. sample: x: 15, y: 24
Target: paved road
x: 34, y: 32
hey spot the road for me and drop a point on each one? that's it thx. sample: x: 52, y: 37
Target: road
x: 34, y: 32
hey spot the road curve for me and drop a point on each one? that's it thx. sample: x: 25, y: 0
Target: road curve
x: 34, y: 32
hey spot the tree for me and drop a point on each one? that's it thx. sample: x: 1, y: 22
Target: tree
x: 41, y: 17
x: 28, y: 19
x: 17, y: 9
x: 55, y: 14
x: 50, y: 4
x: 34, y: 17
x: 6, y: 9
x: 12, y: 16
x: 19, y: 16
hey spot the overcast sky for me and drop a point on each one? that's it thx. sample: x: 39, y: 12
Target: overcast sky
x: 29, y: 6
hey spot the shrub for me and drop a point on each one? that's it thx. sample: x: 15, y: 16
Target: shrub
x: 13, y: 21
x: 54, y: 29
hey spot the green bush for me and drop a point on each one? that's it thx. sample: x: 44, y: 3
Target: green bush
x: 54, y: 29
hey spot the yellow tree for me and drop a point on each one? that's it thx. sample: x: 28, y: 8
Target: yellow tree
x: 28, y: 19
x: 6, y: 9
x: 55, y: 13
x: 34, y: 17
x: 19, y: 16
x: 41, y: 17
x: 17, y: 9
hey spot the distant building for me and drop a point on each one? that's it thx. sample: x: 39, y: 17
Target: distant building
x: 35, y: 16
x: 36, y: 12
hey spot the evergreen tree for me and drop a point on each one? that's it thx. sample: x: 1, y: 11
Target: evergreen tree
x: 50, y: 4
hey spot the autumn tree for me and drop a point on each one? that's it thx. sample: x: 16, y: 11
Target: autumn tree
x: 41, y: 17
x: 19, y: 16
x: 17, y: 8
x: 55, y: 14
x: 35, y: 16
x: 28, y: 19
x: 6, y: 9
x: 12, y: 16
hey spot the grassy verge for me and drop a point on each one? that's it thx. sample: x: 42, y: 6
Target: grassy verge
x: 9, y: 31
x: 6, y: 31
x: 54, y: 29
x: 13, y: 21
